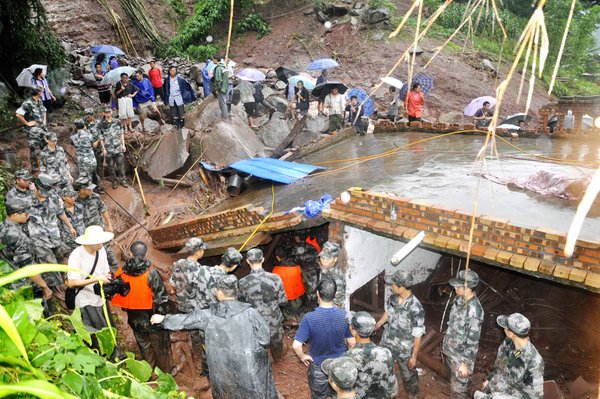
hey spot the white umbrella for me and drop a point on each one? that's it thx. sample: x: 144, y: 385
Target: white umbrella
x: 114, y: 75
x: 24, y: 78
x: 392, y: 82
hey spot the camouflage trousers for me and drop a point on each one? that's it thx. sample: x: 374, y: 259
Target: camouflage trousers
x: 458, y: 386
x: 87, y: 169
x: 276, y: 341
x: 99, y: 163
x: 410, y: 377
x: 197, y: 338
x: 112, y: 258
x: 116, y: 167
x: 36, y: 144
x: 310, y: 279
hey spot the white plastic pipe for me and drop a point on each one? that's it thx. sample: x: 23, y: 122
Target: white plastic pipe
x: 407, y: 249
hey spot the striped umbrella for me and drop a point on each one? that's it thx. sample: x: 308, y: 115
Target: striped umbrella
x: 361, y: 95
x: 425, y: 80
x: 324, y: 63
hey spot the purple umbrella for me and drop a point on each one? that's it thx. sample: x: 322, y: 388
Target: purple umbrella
x: 477, y: 104
x: 251, y: 74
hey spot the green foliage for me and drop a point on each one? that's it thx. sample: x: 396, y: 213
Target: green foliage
x: 49, y: 359
x: 255, y: 23
x: 178, y: 8
x: 382, y: 4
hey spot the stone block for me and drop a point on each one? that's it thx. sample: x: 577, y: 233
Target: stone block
x: 592, y: 280
x: 441, y: 241
x: 531, y: 264
x: 578, y: 275
x: 561, y: 271
x: 491, y: 253
x: 504, y: 257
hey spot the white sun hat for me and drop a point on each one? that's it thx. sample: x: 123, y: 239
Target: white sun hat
x: 94, y: 235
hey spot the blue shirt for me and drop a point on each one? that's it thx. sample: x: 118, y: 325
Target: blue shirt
x: 145, y: 92
x: 327, y: 331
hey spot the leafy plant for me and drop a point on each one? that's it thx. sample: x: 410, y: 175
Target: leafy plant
x: 255, y: 23
x: 40, y: 358
x: 387, y: 4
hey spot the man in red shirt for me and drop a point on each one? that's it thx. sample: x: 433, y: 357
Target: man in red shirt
x: 414, y: 103
x: 156, y: 79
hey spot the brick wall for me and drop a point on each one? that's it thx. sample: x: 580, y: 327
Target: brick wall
x: 532, y: 251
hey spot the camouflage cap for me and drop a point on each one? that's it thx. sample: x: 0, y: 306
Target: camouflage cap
x: 469, y: 276
x: 82, y: 182
x: 515, y: 322
x: 254, y: 255
x: 231, y: 257
x: 89, y: 111
x: 51, y: 136
x: 401, y: 278
x: 229, y: 282
x: 23, y: 174
x: 13, y: 207
x: 363, y: 323
x: 342, y: 370
x: 36, y: 90
x: 330, y: 250
x: 107, y: 109
x: 194, y: 244
x: 44, y: 184
x: 68, y: 191
x: 79, y: 123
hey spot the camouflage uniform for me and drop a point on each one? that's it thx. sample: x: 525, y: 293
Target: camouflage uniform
x: 86, y: 160
x: 97, y: 134
x: 336, y: 274
x: 34, y: 111
x: 308, y: 259
x: 76, y: 219
x: 264, y: 291
x: 376, y: 379
x: 461, y: 341
x: 55, y: 164
x: 406, y: 321
x: 112, y: 132
x: 343, y: 371
x: 24, y: 198
x: 93, y: 208
x: 18, y: 248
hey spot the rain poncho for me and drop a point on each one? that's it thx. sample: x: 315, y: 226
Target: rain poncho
x: 236, y: 341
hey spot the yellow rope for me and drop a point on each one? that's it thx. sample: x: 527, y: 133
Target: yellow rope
x: 264, y: 220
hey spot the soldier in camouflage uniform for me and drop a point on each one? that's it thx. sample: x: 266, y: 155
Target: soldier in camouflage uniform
x: 264, y: 291
x: 307, y: 256
x: 95, y: 213
x: 461, y: 341
x: 330, y: 269
x: 17, y: 246
x: 75, y: 214
x: 32, y: 114
x: 53, y: 161
x: 376, y: 378
x: 84, y: 147
x: 230, y: 260
x: 519, y: 369
x: 404, y: 321
x: 114, y: 142
x: 343, y: 374
x: 22, y: 192
x: 92, y: 126
x: 190, y: 280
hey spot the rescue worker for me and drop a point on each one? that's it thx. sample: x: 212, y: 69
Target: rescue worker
x: 376, y: 378
x: 96, y: 213
x: 85, y: 144
x: 75, y: 214
x: 328, y: 258
x: 190, y: 280
x: 342, y: 374
x: 147, y: 295
x: 461, y: 340
x: 230, y: 260
x: 404, y: 327
x: 264, y: 291
x: 114, y: 147
x: 92, y: 126
x: 53, y: 161
x: 32, y: 114
x: 519, y: 369
x: 236, y: 342
x: 291, y: 276
x: 23, y: 190
x: 17, y: 248
x: 307, y: 255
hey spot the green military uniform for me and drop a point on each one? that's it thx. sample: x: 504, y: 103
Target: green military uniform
x: 330, y: 250
x: 55, y: 164
x: 97, y: 135
x: 33, y: 110
x: 25, y: 198
x: 343, y: 371
x: 86, y: 160
x: 113, y: 134
x: 18, y: 248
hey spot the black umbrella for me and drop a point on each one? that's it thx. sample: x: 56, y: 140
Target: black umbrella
x: 325, y: 88
x: 284, y: 73
x: 516, y: 118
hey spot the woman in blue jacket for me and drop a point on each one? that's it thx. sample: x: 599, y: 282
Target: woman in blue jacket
x: 177, y: 93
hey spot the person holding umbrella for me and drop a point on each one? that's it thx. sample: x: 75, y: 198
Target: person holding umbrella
x: 483, y: 116
x: 125, y: 91
x: 39, y: 79
x: 414, y: 103
x: 32, y: 114
x: 302, y: 99
x: 336, y: 104
x: 322, y: 80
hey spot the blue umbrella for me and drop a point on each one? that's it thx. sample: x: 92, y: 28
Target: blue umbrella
x: 361, y: 95
x: 106, y: 48
x: 426, y: 82
x: 324, y: 63
x: 309, y: 83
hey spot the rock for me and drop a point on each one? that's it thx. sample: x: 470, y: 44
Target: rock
x: 309, y: 12
x: 321, y: 16
x: 274, y: 131
x: 339, y: 10
x: 376, y: 16
x: 67, y: 47
x: 267, y: 91
x: 280, y: 85
x: 89, y: 80
x: 170, y: 154
x: 279, y: 103
x: 271, y: 74
x: 378, y: 36
x: 417, y: 50
x: 353, y: 21
x: 487, y: 64
x: 317, y: 123
x: 248, y: 61
x: 358, y: 5
x: 196, y: 73
x: 151, y: 125
x: 305, y: 137
x: 451, y: 117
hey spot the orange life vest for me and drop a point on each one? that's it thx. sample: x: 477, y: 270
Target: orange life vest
x: 292, y: 280
x: 140, y: 294
x: 314, y: 243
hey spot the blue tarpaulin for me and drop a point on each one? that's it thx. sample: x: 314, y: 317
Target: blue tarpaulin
x: 269, y: 169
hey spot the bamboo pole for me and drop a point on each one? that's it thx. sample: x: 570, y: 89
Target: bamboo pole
x: 137, y: 176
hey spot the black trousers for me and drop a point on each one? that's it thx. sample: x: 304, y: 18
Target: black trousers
x: 178, y: 114
x: 318, y: 383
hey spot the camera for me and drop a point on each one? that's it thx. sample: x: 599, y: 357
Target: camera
x: 117, y: 286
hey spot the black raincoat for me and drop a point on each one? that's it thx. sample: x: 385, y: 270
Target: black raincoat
x: 236, y: 342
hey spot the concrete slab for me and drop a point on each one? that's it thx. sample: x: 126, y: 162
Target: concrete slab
x: 168, y: 154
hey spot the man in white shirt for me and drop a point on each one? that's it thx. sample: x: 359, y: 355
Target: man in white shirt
x: 90, y: 258
x: 336, y: 104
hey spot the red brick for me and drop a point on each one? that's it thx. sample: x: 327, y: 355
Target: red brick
x: 478, y: 250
